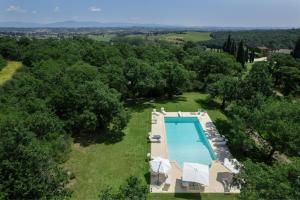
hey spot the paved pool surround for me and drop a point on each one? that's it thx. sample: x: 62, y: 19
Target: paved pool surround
x: 161, y: 149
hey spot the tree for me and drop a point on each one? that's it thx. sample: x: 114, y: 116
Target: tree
x: 259, y: 80
x: 261, y: 181
x: 132, y: 190
x: 176, y: 77
x: 278, y: 123
x: 241, y: 54
x: 3, y: 62
x: 28, y: 171
x: 252, y: 56
x: 233, y: 48
x: 225, y: 88
x: 296, y: 52
x: 247, y: 55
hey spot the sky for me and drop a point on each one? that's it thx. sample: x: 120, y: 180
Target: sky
x: 233, y: 13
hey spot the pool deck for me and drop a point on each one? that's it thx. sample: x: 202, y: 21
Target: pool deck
x: 217, y: 170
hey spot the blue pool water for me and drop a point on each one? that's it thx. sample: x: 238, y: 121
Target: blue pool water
x: 187, y: 142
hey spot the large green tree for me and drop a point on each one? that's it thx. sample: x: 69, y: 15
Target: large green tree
x: 261, y: 181
x: 176, y: 77
x: 28, y: 169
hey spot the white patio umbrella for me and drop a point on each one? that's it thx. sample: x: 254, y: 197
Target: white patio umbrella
x: 231, y: 165
x: 160, y: 166
x: 195, y: 172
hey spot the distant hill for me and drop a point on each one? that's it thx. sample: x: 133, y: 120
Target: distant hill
x: 77, y: 24
x: 94, y: 24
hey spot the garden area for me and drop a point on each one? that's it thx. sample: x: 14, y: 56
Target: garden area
x: 97, y: 165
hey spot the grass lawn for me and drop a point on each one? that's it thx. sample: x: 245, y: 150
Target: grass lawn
x: 7, y: 72
x: 100, y: 164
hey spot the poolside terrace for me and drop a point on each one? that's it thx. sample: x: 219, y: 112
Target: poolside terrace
x: 218, y: 171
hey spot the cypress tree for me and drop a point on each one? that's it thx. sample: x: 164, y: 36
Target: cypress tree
x: 252, y: 56
x: 247, y: 55
x: 241, y: 54
x: 233, y: 48
x: 227, y: 45
x: 296, y: 52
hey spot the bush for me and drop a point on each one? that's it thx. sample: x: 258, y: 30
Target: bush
x: 132, y: 190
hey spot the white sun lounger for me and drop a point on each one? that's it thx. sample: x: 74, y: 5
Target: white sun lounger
x: 154, y: 112
x: 179, y: 114
x: 220, y: 143
x: 154, y: 136
x: 154, y: 140
x: 220, y: 139
x: 163, y: 111
x: 184, y: 184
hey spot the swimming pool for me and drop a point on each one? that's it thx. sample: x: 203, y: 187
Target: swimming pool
x: 187, y: 142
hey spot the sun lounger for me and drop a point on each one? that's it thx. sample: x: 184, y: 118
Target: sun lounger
x: 154, y: 136
x: 184, y: 184
x: 220, y: 139
x: 163, y: 111
x: 154, y: 140
x: 154, y: 112
x: 179, y: 114
x: 220, y: 143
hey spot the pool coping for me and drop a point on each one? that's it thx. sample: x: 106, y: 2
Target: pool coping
x: 161, y: 149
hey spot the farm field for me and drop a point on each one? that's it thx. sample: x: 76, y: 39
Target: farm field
x: 98, y: 165
x: 102, y: 38
x: 7, y: 72
x: 177, y: 37
x: 170, y: 37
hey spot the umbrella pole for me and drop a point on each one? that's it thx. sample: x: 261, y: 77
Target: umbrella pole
x: 158, y: 173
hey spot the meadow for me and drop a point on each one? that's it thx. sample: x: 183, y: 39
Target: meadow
x: 7, y: 72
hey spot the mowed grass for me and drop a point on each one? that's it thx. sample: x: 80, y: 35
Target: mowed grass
x: 98, y: 165
x: 7, y: 72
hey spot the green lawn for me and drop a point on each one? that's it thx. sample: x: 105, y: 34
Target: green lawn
x: 99, y: 164
x: 7, y: 72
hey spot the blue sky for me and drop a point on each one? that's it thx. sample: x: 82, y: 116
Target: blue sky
x: 173, y: 12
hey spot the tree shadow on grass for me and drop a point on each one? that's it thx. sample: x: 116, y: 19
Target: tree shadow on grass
x: 208, y: 103
x: 175, y: 99
x: 100, y: 137
x: 147, y: 177
x: 188, y: 195
x: 139, y: 105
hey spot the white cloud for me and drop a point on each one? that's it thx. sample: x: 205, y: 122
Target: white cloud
x: 56, y: 9
x: 34, y: 12
x: 14, y: 8
x: 94, y: 9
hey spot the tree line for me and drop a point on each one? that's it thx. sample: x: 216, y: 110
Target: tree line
x: 272, y: 39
